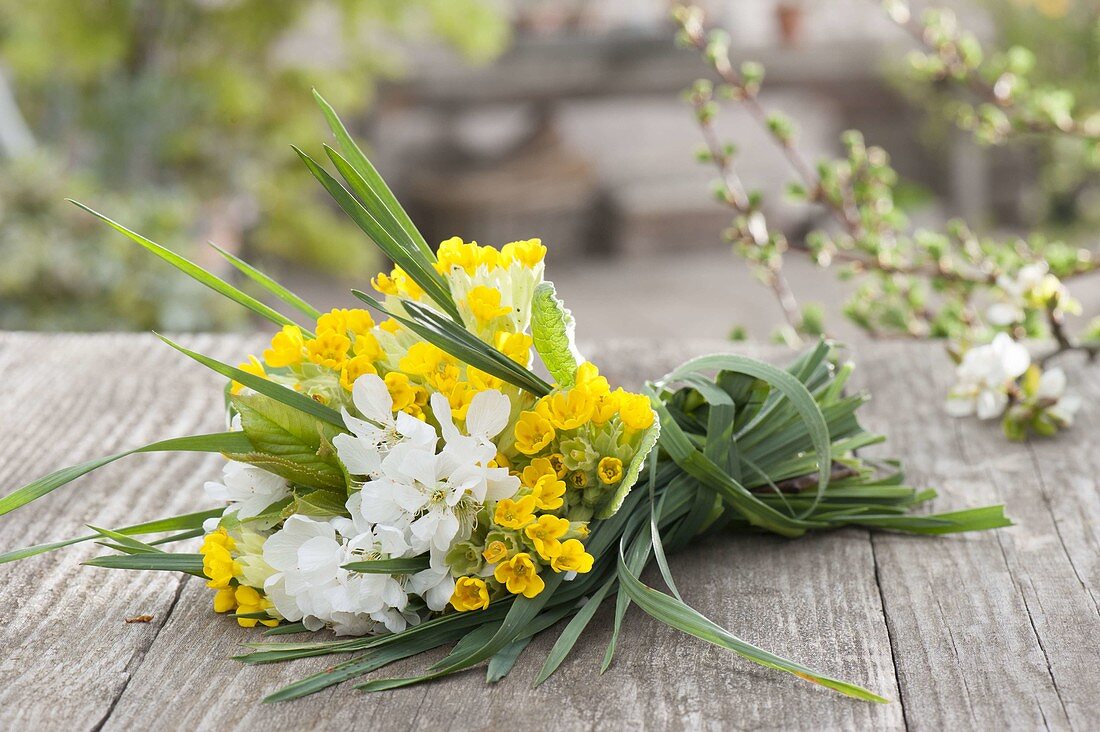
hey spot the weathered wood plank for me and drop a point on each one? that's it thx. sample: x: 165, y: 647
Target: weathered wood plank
x: 176, y: 671
x: 781, y: 595
x: 997, y: 630
x: 991, y: 630
x: 67, y: 652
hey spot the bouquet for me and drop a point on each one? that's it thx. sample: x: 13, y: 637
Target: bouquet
x: 404, y: 476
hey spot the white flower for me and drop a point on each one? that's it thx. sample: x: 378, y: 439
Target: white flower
x: 373, y: 437
x: 1052, y: 390
x: 985, y: 376
x: 247, y: 489
x: 434, y: 496
x: 1032, y: 282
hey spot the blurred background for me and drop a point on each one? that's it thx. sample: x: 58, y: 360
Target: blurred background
x: 493, y: 120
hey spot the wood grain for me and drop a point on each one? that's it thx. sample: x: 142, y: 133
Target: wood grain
x: 996, y: 630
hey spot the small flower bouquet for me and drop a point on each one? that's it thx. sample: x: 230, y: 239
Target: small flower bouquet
x: 408, y: 480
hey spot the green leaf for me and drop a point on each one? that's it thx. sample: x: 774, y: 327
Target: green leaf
x: 553, y: 331
x: 185, y: 521
x: 460, y: 343
x: 269, y: 284
x: 377, y: 185
x: 264, y: 386
x: 786, y: 384
x: 222, y: 442
x: 321, y: 504
x: 676, y: 614
x: 288, y: 442
x: 572, y: 633
x: 409, y: 565
x: 161, y: 562
x: 630, y: 476
x: 415, y: 264
x: 195, y: 271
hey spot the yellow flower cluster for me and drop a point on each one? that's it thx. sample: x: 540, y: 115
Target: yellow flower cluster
x: 469, y: 256
x: 569, y: 452
x: 223, y: 571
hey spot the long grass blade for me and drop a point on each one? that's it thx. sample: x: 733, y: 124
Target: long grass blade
x: 195, y: 271
x: 278, y: 392
x: 269, y: 284
x: 219, y: 442
x: 676, y: 614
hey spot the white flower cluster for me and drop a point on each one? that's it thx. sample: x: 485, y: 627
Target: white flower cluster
x: 1032, y: 284
x: 988, y: 374
x: 417, y: 498
x: 247, y: 489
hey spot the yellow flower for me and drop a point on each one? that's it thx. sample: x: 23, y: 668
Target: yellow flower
x: 217, y: 563
x: 519, y: 575
x: 635, y: 410
x: 572, y: 558
x: 456, y: 253
x: 286, y: 348
x: 225, y: 600
x: 459, y: 397
x: 528, y: 253
x: 558, y: 461
x: 251, y: 366
x: 329, y: 350
x: 251, y: 601
x: 482, y: 381
x: 537, y: 469
x: 354, y: 368
x: 495, y: 552
x: 544, y: 534
x: 578, y: 479
x: 610, y: 470
x: 604, y: 407
x: 588, y: 378
x: 567, y: 410
x: 401, y: 391
x: 384, y: 283
x: 533, y: 432
x: 422, y: 359
x: 390, y: 325
x: 516, y: 346
x: 549, y: 492
x: 515, y: 514
x: 485, y: 304
x: 342, y: 320
x: 501, y: 461
x: 471, y: 593
x: 367, y: 345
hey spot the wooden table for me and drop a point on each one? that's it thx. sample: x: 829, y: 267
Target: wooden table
x: 987, y: 631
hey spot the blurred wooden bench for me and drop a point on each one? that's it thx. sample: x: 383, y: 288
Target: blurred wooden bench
x: 990, y: 631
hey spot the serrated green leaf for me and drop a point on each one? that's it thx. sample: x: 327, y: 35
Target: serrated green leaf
x: 553, y: 331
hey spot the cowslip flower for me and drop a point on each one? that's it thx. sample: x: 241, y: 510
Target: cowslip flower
x: 985, y: 376
x: 520, y: 576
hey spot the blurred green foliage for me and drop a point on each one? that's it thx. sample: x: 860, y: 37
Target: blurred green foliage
x: 177, y: 118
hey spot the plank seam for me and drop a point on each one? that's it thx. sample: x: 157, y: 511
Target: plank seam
x: 1035, y: 464
x: 139, y: 656
x: 889, y: 633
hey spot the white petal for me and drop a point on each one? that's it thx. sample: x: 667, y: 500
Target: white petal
x: 488, y: 414
x: 441, y: 408
x: 991, y: 404
x: 372, y: 398
x: 1052, y: 384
